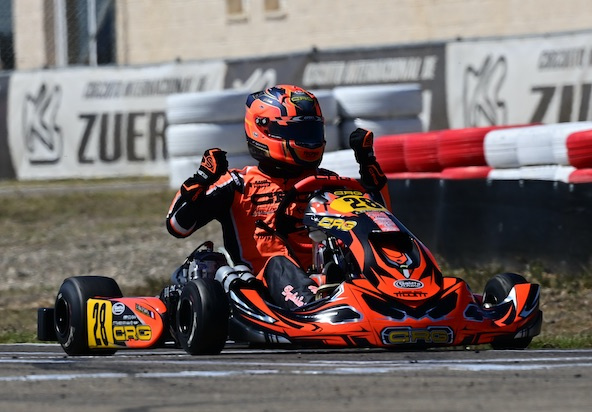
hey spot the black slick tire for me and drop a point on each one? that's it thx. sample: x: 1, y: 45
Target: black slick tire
x: 70, y: 318
x: 202, y: 317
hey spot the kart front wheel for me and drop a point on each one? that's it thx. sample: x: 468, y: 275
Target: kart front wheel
x: 496, y: 291
x: 202, y: 317
x: 70, y: 311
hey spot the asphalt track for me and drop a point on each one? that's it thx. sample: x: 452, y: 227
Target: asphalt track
x: 43, y: 378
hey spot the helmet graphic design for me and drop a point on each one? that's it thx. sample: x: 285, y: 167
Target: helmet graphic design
x: 284, y: 128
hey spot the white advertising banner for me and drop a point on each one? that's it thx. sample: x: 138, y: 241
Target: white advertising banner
x: 518, y: 81
x: 97, y: 122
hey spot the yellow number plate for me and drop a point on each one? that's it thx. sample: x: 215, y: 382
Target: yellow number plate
x: 360, y: 204
x: 100, y: 323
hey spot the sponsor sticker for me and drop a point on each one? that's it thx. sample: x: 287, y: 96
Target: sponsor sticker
x: 118, y: 308
x: 383, y: 221
x: 409, y: 284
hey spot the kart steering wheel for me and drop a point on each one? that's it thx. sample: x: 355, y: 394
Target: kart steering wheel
x: 285, y: 223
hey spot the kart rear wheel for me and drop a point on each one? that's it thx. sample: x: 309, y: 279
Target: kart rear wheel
x: 70, y: 312
x: 495, y: 292
x: 202, y: 317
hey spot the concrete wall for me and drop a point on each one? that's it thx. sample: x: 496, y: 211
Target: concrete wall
x: 154, y: 31
x: 29, y: 25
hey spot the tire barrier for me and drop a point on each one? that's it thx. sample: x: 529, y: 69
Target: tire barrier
x: 544, y: 144
x: 329, y: 108
x: 386, y: 109
x: 414, y: 175
x: 328, y: 104
x: 332, y: 138
x: 562, y: 140
x: 544, y: 172
x: 466, y: 172
x: 501, y: 148
x: 389, y: 153
x: 465, y: 147
x: 181, y: 168
x: 455, y: 173
x: 579, y: 149
x: 551, y: 152
x: 342, y: 162
x: 462, y: 147
x: 379, y: 101
x: 219, y: 106
x: 541, y: 152
x: 380, y: 127
x: 199, y: 121
x: 421, y: 152
x: 193, y: 139
x: 533, y: 145
x: 581, y: 176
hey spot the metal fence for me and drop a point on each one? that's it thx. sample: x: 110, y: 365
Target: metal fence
x: 84, y: 32
x: 6, y: 35
x: 73, y: 32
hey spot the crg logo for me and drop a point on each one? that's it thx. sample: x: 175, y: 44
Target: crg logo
x: 408, y: 284
x: 438, y: 335
x: 132, y: 332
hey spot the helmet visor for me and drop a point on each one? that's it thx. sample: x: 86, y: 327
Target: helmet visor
x: 307, y: 130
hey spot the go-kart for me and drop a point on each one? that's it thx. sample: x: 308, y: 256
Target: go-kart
x: 379, y: 287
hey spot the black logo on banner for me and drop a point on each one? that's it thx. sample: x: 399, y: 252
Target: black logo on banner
x: 105, y: 138
x: 260, y: 79
x: 43, y: 136
x: 119, y: 136
x: 482, y: 104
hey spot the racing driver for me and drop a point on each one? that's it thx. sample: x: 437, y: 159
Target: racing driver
x: 284, y: 129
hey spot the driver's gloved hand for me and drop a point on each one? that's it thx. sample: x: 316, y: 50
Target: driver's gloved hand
x: 213, y: 165
x: 362, y: 143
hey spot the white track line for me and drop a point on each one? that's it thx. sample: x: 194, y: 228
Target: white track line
x: 314, y: 367
x: 469, y: 367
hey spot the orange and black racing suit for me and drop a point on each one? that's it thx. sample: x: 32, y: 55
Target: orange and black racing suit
x: 238, y: 200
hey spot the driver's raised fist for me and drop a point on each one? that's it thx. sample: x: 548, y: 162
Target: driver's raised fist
x: 362, y: 141
x: 213, y: 165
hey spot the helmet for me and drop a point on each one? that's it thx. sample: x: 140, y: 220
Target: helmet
x: 285, y: 129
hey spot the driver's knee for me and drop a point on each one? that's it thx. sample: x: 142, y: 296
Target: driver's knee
x: 288, y: 285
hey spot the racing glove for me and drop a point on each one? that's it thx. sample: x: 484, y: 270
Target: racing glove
x: 362, y: 143
x: 213, y: 165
